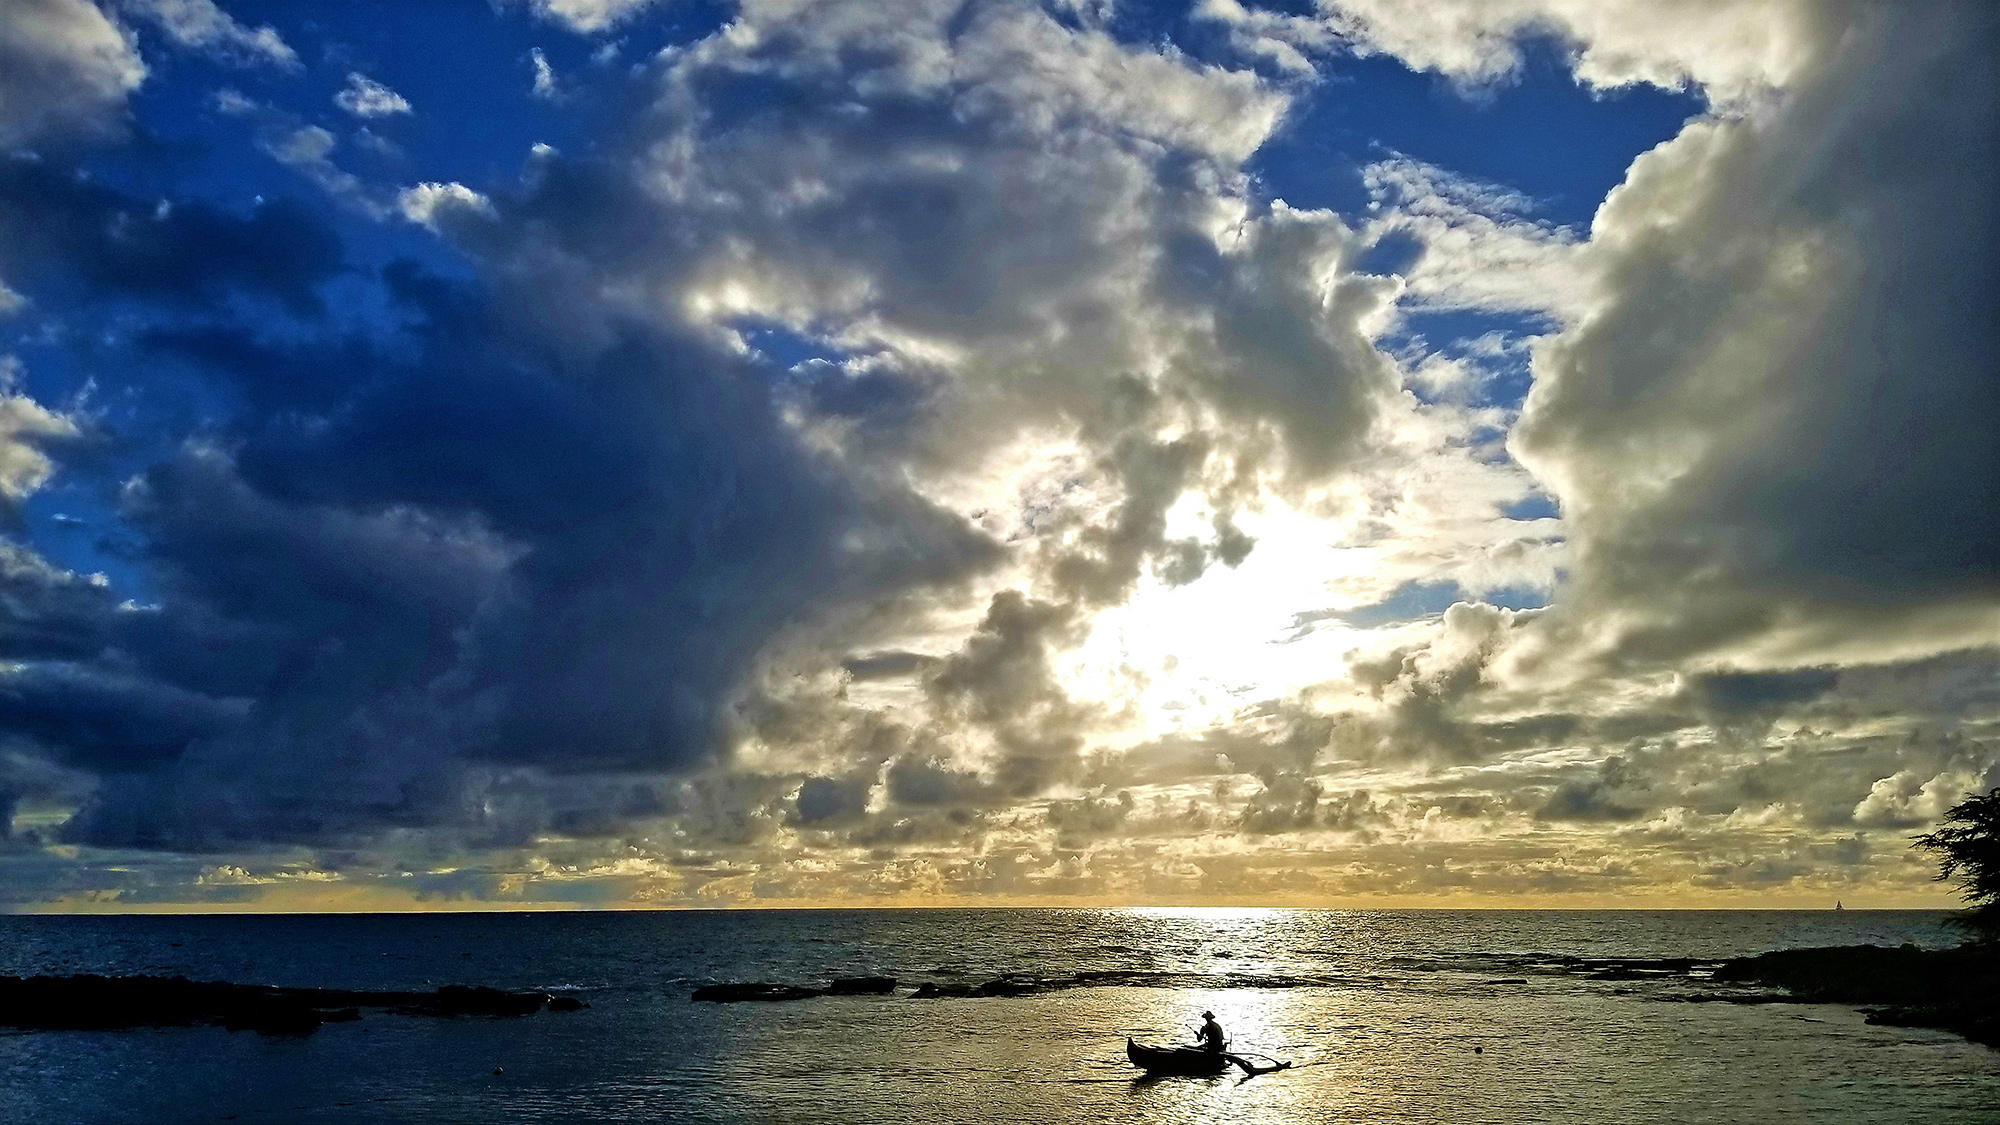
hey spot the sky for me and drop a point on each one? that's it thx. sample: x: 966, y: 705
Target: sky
x: 669, y: 453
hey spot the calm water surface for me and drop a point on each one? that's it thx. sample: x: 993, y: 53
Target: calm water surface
x: 1382, y: 1012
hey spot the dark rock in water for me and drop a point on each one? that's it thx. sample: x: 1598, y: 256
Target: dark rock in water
x: 861, y: 986
x: 732, y: 993
x: 88, y: 1002
x: 1013, y: 986
x: 97, y: 1002
x: 735, y: 993
x: 1976, y: 1021
x: 1951, y: 989
x: 1870, y: 974
x: 271, y: 1016
x: 929, y: 991
x: 998, y: 986
x: 566, y: 1004
x: 464, y: 1000
x: 1113, y: 978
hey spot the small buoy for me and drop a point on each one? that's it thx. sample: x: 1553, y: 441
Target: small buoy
x: 1475, y: 1050
x: 499, y: 1070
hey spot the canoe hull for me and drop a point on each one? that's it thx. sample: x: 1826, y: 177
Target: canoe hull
x: 1175, y: 1060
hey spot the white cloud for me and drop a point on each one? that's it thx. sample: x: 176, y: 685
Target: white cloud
x: 1768, y: 450
x: 1480, y: 247
x: 63, y: 64
x: 545, y: 86
x: 377, y: 143
x: 1907, y: 799
x: 426, y: 203
x: 588, y: 16
x: 25, y: 425
x: 365, y: 97
x: 1731, y: 50
x: 308, y: 150
x: 201, y: 25
x: 235, y: 103
x: 303, y: 147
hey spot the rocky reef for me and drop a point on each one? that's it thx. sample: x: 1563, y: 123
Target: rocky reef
x: 734, y: 993
x: 1955, y: 990
x: 1904, y: 986
x: 71, y: 1003
x: 1013, y: 984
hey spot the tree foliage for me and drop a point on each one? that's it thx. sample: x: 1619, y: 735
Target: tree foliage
x: 1968, y: 846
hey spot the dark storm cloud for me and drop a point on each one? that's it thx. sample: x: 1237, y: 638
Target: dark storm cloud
x: 1154, y: 474
x: 1736, y: 694
x: 485, y: 556
x: 60, y: 230
x: 830, y: 802
x: 1003, y: 673
x: 1002, y: 680
x: 928, y: 781
x: 416, y: 553
x: 1614, y: 794
x: 106, y: 723
x: 47, y: 613
x: 1287, y: 803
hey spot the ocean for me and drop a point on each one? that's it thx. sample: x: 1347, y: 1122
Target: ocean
x: 1504, y: 1017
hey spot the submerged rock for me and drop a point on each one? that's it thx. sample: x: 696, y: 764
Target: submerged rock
x: 862, y: 986
x: 468, y: 1000
x: 273, y: 1016
x: 734, y: 992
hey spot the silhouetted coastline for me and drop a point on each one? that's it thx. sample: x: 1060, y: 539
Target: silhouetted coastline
x: 89, y: 1002
x: 1954, y: 990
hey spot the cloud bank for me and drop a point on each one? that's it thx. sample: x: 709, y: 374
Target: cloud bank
x: 908, y: 453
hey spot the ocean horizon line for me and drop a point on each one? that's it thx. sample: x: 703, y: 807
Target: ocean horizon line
x: 1165, y: 908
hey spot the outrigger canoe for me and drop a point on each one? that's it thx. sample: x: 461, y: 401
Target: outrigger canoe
x: 1175, y: 1060
x: 1193, y: 1060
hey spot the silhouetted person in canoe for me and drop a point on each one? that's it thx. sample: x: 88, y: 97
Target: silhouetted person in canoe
x: 1214, y: 1039
x: 1211, y: 1036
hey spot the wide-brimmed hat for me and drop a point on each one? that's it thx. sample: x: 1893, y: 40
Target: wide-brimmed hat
x: 1208, y: 1015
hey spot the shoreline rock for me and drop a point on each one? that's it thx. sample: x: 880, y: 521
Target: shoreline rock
x: 100, y: 1003
x: 1956, y: 990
